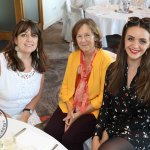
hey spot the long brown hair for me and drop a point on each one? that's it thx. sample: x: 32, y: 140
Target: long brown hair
x: 39, y: 58
x: 119, y: 67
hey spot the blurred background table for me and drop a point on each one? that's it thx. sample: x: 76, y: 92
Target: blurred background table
x: 111, y: 22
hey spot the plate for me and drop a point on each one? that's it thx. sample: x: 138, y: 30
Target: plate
x: 121, y: 11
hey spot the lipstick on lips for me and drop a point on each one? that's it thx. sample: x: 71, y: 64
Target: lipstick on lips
x: 134, y: 51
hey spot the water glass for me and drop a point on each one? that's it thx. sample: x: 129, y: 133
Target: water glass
x: 125, y: 5
x: 8, y: 143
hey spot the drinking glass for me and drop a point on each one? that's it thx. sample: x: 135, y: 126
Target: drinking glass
x: 125, y: 5
x: 8, y: 142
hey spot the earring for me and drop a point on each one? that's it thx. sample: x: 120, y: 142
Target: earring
x: 17, y: 48
x: 146, y: 53
x: 37, y: 53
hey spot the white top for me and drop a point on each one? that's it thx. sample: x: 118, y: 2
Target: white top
x: 17, y: 88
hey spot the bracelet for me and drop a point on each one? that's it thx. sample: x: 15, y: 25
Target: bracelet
x: 29, y: 110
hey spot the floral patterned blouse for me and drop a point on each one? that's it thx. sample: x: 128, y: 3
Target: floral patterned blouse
x: 124, y: 116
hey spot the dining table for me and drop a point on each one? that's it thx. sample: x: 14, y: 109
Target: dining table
x: 111, y: 20
x: 31, y: 137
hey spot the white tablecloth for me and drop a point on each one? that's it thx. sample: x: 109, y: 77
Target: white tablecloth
x: 111, y: 22
x: 32, y: 136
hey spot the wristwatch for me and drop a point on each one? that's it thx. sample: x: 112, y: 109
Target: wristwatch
x: 29, y: 110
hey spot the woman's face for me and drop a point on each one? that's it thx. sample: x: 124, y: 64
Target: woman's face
x: 85, y: 39
x: 27, y: 42
x: 137, y: 40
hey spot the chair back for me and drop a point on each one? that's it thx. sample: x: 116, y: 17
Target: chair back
x: 88, y: 3
x: 78, y: 13
x: 68, y: 6
x: 101, y: 2
x: 73, y: 14
x: 78, y: 3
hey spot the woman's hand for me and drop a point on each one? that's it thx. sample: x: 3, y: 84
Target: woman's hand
x: 95, y: 143
x: 105, y: 137
x: 67, y: 120
x: 74, y: 117
x: 71, y: 117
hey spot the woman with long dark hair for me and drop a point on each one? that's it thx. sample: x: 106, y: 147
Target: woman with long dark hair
x: 124, y: 118
x: 22, y: 66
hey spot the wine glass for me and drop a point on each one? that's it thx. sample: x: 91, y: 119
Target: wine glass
x: 126, y: 5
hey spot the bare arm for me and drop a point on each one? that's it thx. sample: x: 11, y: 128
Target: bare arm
x: 33, y: 103
x: 95, y: 143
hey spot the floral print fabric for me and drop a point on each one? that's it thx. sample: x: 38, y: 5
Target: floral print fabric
x: 81, y: 93
x: 123, y: 115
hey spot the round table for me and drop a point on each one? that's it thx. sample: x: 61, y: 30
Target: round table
x: 32, y: 136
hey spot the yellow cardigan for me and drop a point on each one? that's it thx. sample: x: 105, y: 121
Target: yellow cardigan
x: 95, y: 83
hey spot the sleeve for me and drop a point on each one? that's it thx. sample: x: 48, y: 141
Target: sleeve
x: 97, y: 101
x: 64, y: 88
x: 105, y: 110
x: 1, y: 61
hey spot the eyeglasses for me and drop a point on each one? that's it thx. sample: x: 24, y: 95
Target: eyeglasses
x: 138, y: 20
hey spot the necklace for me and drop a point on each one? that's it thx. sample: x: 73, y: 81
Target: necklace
x: 25, y: 75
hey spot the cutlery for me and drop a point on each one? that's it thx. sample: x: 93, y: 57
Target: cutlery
x: 18, y: 133
x: 54, y: 146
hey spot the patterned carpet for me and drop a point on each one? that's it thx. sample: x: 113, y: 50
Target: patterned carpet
x: 53, y: 80
x: 57, y: 50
